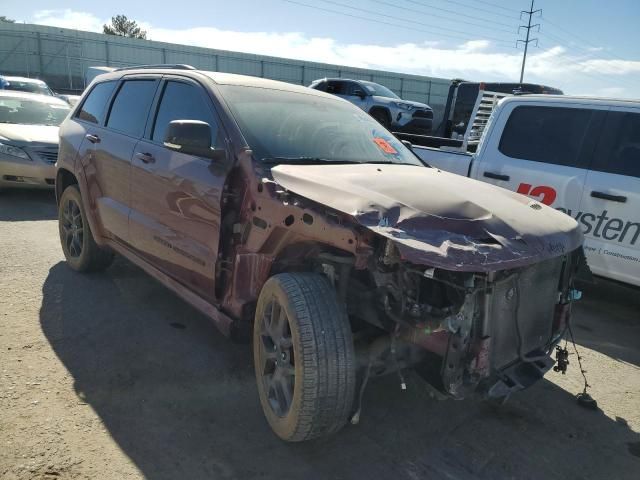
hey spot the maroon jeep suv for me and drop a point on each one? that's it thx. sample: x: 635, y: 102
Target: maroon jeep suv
x: 291, y: 216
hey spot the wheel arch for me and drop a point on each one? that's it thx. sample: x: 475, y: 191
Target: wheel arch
x: 298, y: 257
x: 303, y: 253
x: 383, y: 110
x: 64, y: 178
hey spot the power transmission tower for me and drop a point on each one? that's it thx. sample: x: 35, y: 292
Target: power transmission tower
x: 528, y: 40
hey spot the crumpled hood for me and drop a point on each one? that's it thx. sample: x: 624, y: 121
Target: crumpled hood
x: 23, y: 135
x: 437, y: 218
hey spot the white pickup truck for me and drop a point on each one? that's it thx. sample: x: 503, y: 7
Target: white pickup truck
x: 579, y: 155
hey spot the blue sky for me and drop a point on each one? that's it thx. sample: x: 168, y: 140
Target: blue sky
x: 585, y: 47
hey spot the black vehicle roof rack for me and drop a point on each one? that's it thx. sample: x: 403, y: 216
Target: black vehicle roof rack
x: 172, y: 66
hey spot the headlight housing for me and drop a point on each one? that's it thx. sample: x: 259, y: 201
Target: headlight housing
x: 403, y: 106
x: 13, y: 151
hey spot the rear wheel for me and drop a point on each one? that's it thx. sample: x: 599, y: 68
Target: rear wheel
x: 79, y: 248
x: 304, y: 357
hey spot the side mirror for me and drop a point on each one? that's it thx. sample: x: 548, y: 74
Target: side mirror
x: 360, y: 93
x: 191, y: 137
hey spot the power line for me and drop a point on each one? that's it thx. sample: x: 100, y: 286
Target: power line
x: 405, y: 27
x: 589, y: 56
x: 458, y: 13
x: 562, y: 41
x: 424, y: 13
x: 601, y: 78
x: 494, y: 5
x: 579, y: 38
x: 403, y: 19
x: 475, y: 7
x: 526, y: 42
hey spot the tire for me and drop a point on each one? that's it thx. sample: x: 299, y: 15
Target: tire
x: 79, y: 248
x: 382, y: 118
x: 313, y: 344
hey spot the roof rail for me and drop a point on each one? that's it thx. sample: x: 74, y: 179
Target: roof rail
x: 172, y: 66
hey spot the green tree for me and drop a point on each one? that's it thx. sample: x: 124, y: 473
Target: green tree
x: 6, y: 20
x: 123, y: 27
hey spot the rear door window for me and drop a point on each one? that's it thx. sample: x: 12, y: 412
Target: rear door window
x: 337, y: 87
x: 182, y: 101
x: 463, y: 108
x: 131, y: 106
x: 94, y: 106
x: 547, y: 134
x: 619, y: 148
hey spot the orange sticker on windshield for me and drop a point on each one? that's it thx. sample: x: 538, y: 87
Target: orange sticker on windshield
x: 385, y: 146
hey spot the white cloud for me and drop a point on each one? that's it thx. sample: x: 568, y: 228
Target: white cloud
x: 474, y: 59
x: 69, y: 19
x: 611, y: 67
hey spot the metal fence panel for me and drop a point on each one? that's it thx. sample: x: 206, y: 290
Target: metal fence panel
x: 61, y: 57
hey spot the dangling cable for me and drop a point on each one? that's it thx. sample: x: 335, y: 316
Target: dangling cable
x: 584, y: 399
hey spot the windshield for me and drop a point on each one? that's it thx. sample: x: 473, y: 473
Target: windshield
x: 29, y: 112
x: 31, y: 87
x: 379, y: 90
x: 290, y: 125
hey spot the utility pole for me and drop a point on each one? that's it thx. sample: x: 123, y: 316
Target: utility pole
x: 528, y: 40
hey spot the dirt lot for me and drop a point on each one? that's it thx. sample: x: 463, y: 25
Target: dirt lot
x: 110, y: 376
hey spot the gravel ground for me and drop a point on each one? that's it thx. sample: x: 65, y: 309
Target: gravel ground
x: 110, y: 376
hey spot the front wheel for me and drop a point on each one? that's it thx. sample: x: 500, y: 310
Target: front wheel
x: 382, y: 118
x: 304, y: 357
x: 79, y: 248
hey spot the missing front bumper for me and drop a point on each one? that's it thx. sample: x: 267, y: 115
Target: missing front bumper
x: 519, y: 376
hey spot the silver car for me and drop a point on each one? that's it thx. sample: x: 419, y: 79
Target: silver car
x: 386, y: 107
x: 24, y: 84
x: 29, y: 138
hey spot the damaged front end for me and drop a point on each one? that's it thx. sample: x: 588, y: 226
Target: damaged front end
x: 466, y: 333
x: 468, y: 283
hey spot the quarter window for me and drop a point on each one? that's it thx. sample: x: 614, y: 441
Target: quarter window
x: 181, y: 101
x: 93, y: 107
x: 322, y: 86
x: 619, y: 148
x: 546, y: 134
x: 131, y: 106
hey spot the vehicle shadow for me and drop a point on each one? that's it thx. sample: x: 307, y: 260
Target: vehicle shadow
x: 25, y: 205
x: 179, y: 399
x: 612, y: 308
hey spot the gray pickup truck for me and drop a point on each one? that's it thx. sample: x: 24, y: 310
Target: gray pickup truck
x: 386, y: 107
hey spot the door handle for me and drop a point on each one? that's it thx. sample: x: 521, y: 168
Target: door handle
x: 92, y: 138
x: 608, y: 196
x: 496, y: 176
x: 146, y: 157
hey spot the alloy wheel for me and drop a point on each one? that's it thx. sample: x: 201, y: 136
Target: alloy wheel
x: 72, y: 228
x: 277, y: 358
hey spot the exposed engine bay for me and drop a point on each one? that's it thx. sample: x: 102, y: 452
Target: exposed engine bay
x: 465, y: 333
